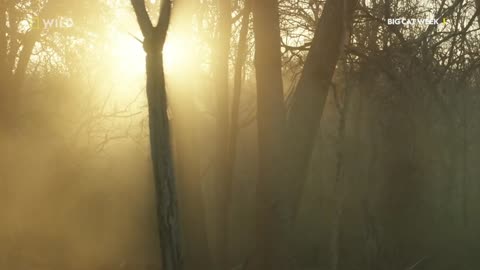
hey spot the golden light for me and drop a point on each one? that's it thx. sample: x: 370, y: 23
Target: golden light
x: 177, y: 54
x: 127, y: 66
x: 130, y: 56
x: 129, y: 51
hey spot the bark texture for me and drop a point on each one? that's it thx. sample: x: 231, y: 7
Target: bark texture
x: 160, y: 143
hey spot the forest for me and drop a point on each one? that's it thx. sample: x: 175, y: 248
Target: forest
x: 239, y: 134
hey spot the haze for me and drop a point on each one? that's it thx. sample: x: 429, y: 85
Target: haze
x: 302, y: 134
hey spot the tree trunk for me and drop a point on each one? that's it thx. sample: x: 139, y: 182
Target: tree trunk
x: 5, y: 72
x: 340, y: 184
x: 312, y: 90
x: 3, y: 44
x: 286, y: 145
x: 14, y: 60
x: 191, y: 199
x: 235, y: 118
x: 237, y: 90
x: 160, y: 145
x: 223, y: 181
x: 271, y: 117
x: 187, y: 124
x: 477, y: 3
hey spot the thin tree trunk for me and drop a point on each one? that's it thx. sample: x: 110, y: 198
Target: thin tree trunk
x: 14, y: 59
x: 5, y: 72
x: 340, y: 185
x: 191, y: 199
x: 28, y: 44
x: 187, y: 124
x: 160, y: 144
x: 237, y: 89
x: 3, y: 44
x: 465, y: 184
x: 477, y: 3
x: 234, y: 122
x: 222, y: 182
x: 31, y: 39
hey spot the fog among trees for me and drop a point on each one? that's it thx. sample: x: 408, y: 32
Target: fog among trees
x: 239, y: 134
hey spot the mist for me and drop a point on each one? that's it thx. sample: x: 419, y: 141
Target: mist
x: 247, y: 135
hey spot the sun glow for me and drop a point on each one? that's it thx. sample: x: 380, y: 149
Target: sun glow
x: 129, y: 51
x: 127, y: 66
x: 177, y: 54
x: 128, y: 56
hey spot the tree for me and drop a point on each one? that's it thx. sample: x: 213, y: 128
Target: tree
x: 271, y: 116
x: 20, y: 41
x: 285, y: 144
x: 477, y: 3
x: 312, y: 89
x: 160, y: 144
x: 186, y: 126
x: 15, y: 51
x: 223, y: 181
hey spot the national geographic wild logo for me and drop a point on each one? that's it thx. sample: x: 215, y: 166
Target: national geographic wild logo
x: 51, y: 23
